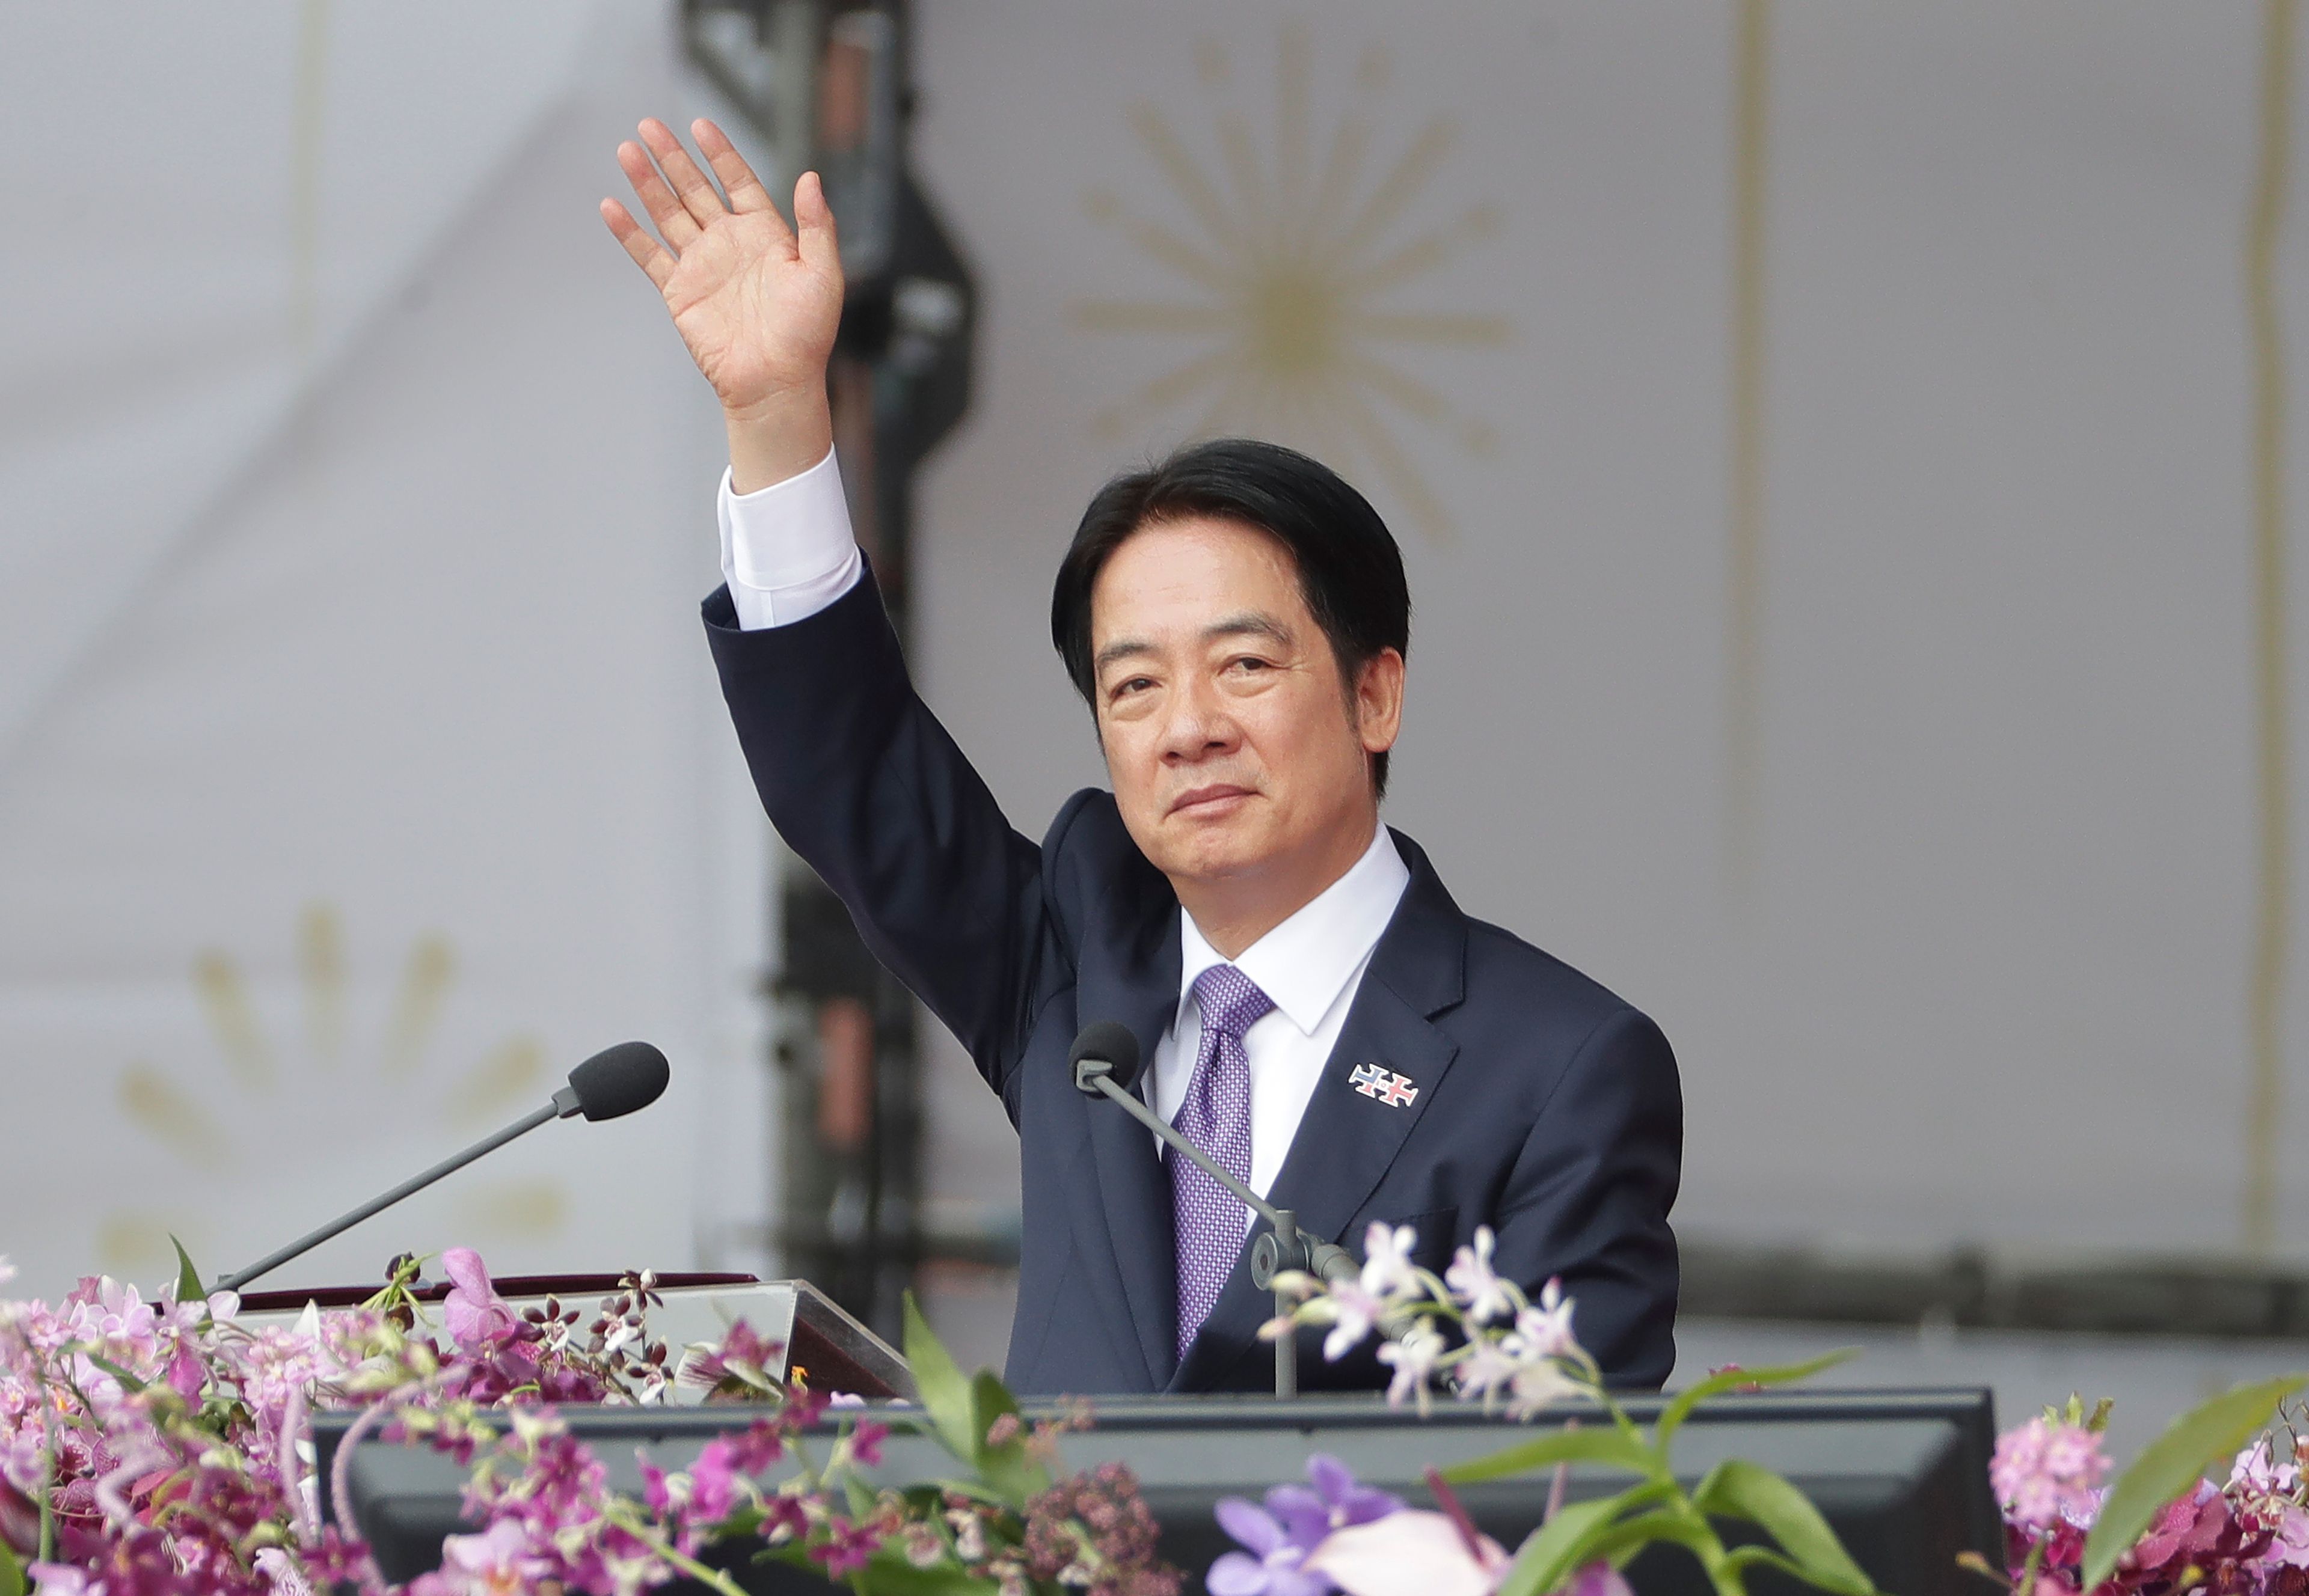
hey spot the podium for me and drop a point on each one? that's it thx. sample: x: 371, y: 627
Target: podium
x: 1901, y: 1475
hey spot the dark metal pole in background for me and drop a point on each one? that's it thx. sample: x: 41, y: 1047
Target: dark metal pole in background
x: 828, y: 85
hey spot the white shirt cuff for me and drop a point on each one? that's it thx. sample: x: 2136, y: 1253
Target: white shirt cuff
x: 787, y: 549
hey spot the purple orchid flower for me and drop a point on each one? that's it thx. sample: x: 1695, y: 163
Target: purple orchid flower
x: 1270, y: 1563
x: 1336, y: 1501
x: 1278, y: 1538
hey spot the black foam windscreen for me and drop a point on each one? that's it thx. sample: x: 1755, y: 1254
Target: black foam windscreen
x: 1109, y: 1042
x: 620, y: 1080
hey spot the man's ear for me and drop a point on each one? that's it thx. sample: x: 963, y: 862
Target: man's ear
x: 1378, y: 701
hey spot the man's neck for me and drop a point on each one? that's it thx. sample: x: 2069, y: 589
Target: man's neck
x: 1234, y: 912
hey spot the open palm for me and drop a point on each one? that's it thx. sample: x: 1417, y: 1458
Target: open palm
x: 757, y: 302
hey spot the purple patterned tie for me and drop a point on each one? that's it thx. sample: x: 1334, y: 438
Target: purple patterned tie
x: 1211, y: 1221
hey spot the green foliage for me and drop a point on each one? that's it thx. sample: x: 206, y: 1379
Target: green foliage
x: 128, y: 1382
x: 963, y: 1410
x: 189, y: 1281
x: 947, y: 1396
x: 2074, y: 1412
x: 1672, y: 1415
x: 2208, y: 1433
x: 890, y: 1575
x: 1656, y: 1508
x: 12, y: 1573
x: 1741, y: 1490
x: 1548, y: 1558
x: 1612, y: 1449
x: 1010, y: 1468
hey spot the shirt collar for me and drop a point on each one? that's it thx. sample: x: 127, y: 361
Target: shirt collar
x: 1305, y: 962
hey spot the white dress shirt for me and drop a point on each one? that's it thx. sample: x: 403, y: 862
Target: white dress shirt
x: 1312, y: 964
x: 788, y: 552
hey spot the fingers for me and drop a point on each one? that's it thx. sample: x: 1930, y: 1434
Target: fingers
x: 696, y: 189
x: 648, y: 254
x: 672, y: 217
x: 745, y: 189
x: 821, y: 250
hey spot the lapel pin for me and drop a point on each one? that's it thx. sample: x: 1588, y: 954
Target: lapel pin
x: 1393, y: 1090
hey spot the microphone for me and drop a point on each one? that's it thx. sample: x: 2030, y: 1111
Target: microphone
x: 614, y: 1082
x: 1106, y: 1063
x: 1106, y: 1047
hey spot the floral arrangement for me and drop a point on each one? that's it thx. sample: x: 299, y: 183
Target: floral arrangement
x: 1479, y: 1336
x: 2164, y: 1528
x: 161, y: 1447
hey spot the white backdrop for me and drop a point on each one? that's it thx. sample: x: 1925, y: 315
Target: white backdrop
x: 1983, y: 975
x: 361, y: 764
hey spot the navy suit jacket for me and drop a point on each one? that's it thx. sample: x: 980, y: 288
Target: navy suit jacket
x: 1547, y: 1108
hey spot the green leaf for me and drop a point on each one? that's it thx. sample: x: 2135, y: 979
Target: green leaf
x: 1610, y: 1447
x: 890, y: 1575
x: 2211, y: 1432
x: 1621, y: 1541
x: 188, y: 1279
x: 1565, y: 1541
x: 1738, y: 1490
x: 946, y: 1394
x: 12, y: 1573
x: 1672, y: 1415
x: 1738, y: 1562
x: 1010, y: 1469
x: 128, y: 1382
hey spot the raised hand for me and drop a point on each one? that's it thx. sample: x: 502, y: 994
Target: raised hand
x: 757, y: 302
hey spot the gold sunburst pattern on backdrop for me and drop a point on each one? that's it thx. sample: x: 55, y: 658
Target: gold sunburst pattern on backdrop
x: 272, y: 1096
x: 1289, y: 262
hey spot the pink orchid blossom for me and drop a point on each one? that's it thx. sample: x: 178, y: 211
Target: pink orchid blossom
x: 1356, y: 1312
x: 1543, y: 1328
x: 497, y: 1561
x: 1414, y: 1356
x: 478, y: 1320
x: 1388, y: 1269
x: 1475, y: 1283
x: 2042, y: 1471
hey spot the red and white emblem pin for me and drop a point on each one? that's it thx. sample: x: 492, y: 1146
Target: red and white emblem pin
x: 1393, y: 1090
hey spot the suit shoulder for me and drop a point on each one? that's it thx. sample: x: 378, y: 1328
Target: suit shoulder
x: 1090, y: 865
x: 1504, y: 970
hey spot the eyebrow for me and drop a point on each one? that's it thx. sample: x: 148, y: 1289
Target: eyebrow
x: 1250, y: 623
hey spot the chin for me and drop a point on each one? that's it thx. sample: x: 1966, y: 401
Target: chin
x: 1214, y: 855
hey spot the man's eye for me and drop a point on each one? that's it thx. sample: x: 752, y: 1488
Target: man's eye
x: 1123, y: 689
x: 1251, y: 662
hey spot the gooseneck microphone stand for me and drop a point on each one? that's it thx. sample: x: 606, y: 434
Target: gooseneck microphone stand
x: 1282, y: 1247
x: 613, y: 1083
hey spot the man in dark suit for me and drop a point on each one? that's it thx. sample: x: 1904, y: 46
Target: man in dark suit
x: 1322, y: 1017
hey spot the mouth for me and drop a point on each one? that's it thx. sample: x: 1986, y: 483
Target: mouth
x: 1207, y: 801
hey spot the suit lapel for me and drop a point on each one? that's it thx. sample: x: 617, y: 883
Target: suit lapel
x: 1346, y: 1142
x: 1135, y: 981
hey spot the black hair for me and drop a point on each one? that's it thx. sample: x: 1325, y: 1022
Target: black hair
x: 1350, y: 570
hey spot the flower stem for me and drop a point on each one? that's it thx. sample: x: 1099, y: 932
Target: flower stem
x: 2029, y: 1569
x: 1456, y: 1511
x: 634, y: 1525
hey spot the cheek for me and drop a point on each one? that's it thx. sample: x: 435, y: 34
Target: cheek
x: 1128, y: 763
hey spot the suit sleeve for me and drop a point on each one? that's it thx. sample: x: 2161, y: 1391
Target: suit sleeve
x: 863, y: 783
x: 1588, y: 1200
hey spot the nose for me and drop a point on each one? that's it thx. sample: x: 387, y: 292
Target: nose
x: 1199, y: 725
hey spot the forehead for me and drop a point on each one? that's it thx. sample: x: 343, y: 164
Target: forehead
x: 1181, y: 574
